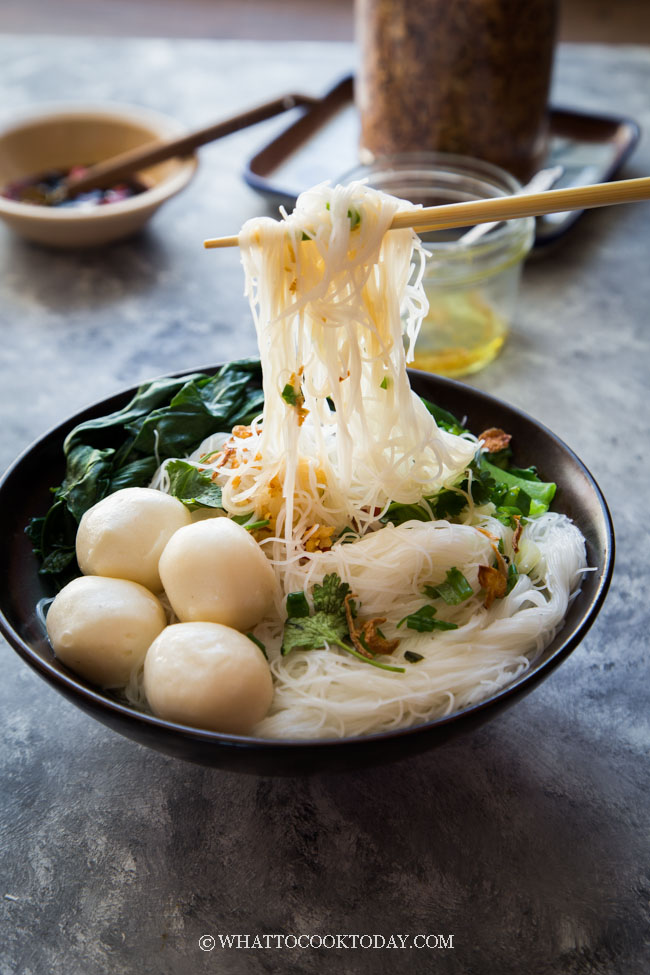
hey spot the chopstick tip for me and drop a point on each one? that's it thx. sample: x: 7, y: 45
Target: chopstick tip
x: 212, y: 242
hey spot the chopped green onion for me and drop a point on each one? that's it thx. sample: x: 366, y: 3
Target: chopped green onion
x: 456, y: 589
x: 289, y: 395
x: 423, y: 621
x: 412, y: 657
x: 297, y: 605
x: 353, y: 216
x: 249, y: 525
x: 512, y: 577
x: 258, y: 643
x: 355, y: 219
x: 254, y: 525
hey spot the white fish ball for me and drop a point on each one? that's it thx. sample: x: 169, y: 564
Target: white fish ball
x: 102, y: 628
x: 208, y: 676
x: 124, y: 534
x: 213, y: 571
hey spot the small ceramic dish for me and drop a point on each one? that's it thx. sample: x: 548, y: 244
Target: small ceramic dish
x: 25, y: 492
x: 63, y: 137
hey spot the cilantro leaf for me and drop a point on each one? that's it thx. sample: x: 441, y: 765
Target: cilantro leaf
x: 313, y: 632
x: 327, y: 626
x: 448, y: 503
x: 328, y: 623
x: 330, y: 596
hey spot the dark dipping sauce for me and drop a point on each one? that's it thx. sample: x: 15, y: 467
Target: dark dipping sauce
x: 41, y: 190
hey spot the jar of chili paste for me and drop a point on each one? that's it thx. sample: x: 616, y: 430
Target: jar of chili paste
x: 460, y: 76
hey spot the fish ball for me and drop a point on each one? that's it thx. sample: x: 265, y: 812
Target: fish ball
x: 213, y: 571
x: 124, y: 534
x: 102, y: 628
x: 208, y: 676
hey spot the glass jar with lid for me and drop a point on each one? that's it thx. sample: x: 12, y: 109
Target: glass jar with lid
x: 471, y: 284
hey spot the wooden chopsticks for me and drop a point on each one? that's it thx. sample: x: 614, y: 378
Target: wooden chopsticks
x: 501, y: 208
x: 134, y: 160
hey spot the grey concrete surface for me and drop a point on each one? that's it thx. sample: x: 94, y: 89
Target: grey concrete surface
x: 528, y: 841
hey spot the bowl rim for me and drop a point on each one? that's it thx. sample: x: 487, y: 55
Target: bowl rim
x: 161, y: 125
x: 87, y: 697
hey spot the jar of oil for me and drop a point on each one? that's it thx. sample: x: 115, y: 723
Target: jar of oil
x: 471, y: 282
x: 460, y: 334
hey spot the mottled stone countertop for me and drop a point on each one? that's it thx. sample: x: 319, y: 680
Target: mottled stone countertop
x: 528, y: 840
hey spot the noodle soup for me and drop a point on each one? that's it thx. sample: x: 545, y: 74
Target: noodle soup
x: 390, y: 565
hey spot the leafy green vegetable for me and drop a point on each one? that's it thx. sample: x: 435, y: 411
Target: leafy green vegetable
x: 523, y: 481
x: 445, y: 420
x: 515, y: 491
x: 193, y: 487
x: 446, y: 504
x: 397, y: 513
x: 327, y: 625
x: 384, y: 383
x: 512, y: 490
x: 166, y: 418
x: 170, y: 417
x: 424, y: 621
x: 499, y: 458
x: 454, y: 590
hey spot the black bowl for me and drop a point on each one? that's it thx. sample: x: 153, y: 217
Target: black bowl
x: 24, y: 492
